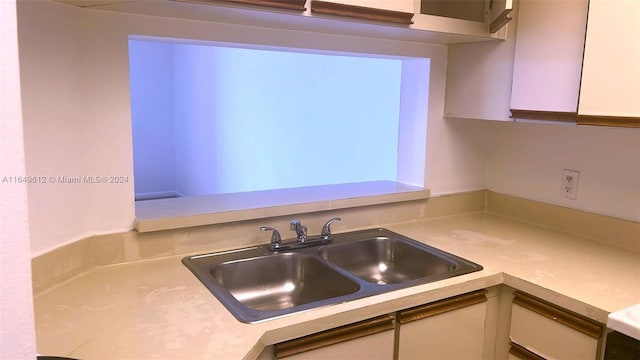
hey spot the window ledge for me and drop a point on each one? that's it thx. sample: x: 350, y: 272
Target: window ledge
x: 175, y: 213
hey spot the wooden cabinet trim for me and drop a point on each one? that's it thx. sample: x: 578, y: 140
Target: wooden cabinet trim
x: 442, y: 306
x: 522, y: 353
x: 361, y: 12
x: 579, y: 323
x: 574, y: 117
x: 334, y: 336
x: 545, y: 115
x: 278, y: 4
x: 615, y: 121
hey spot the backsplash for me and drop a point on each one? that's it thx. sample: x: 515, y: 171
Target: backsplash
x: 70, y: 260
x: 74, y: 259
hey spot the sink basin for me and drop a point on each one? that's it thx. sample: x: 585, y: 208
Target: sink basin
x: 256, y: 284
x: 281, y: 281
x: 383, y: 260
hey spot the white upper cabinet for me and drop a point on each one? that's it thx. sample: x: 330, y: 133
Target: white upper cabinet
x: 393, y: 5
x: 548, y: 55
x: 558, y: 75
x: 611, y: 69
x: 476, y: 19
x: 386, y: 19
x: 479, y: 77
x: 490, y: 15
x: 570, y: 60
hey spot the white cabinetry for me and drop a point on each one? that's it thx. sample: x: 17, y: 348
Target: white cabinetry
x: 479, y: 77
x: 611, y: 69
x: 483, y: 324
x: 372, y: 17
x: 548, y: 55
x: 541, y: 329
x: 561, y: 64
x: 558, y: 75
x: 493, y: 13
x: 449, y: 329
x: 393, y: 5
x: 369, y: 339
x: 375, y: 347
x: 480, y: 19
x: 400, y: 12
x: 453, y: 328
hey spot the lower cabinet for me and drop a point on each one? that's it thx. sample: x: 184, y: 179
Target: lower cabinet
x: 452, y: 328
x: 541, y: 330
x: 497, y: 323
x: 369, y: 339
x: 448, y: 329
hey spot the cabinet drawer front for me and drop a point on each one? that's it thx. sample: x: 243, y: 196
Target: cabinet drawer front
x: 552, y: 332
x: 371, y: 347
x: 442, y: 306
x: 519, y: 352
x: 350, y: 339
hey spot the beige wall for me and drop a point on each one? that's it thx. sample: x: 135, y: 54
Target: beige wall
x: 526, y: 160
x: 17, y: 335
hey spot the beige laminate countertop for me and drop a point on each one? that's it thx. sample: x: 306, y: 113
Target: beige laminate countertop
x: 158, y: 309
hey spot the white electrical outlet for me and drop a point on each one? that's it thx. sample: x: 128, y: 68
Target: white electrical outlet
x: 570, y: 184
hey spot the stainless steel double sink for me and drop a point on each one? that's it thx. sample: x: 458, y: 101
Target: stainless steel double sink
x: 257, y: 284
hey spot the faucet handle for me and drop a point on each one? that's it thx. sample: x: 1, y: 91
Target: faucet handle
x: 293, y: 225
x: 301, y: 230
x: 326, y: 228
x: 276, y: 240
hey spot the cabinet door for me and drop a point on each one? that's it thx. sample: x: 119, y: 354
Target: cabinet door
x: 448, y: 329
x: 277, y: 4
x: 369, y: 339
x: 517, y: 352
x: 494, y: 13
x: 548, y: 55
x: 552, y: 332
x: 389, y: 11
x: 611, y: 70
x: 395, y: 5
x: 479, y: 78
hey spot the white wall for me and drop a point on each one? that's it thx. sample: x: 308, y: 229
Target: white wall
x: 77, y: 110
x: 76, y: 123
x: 17, y: 335
x: 152, y: 103
x: 526, y: 160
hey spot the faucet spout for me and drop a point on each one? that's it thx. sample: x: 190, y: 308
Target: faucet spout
x: 326, y: 228
x: 301, y: 230
x: 276, y: 240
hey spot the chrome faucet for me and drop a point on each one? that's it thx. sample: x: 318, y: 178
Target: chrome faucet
x: 276, y: 240
x: 302, y: 240
x: 326, y: 228
x: 301, y: 230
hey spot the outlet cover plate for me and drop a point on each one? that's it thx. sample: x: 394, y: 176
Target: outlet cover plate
x: 570, y: 184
